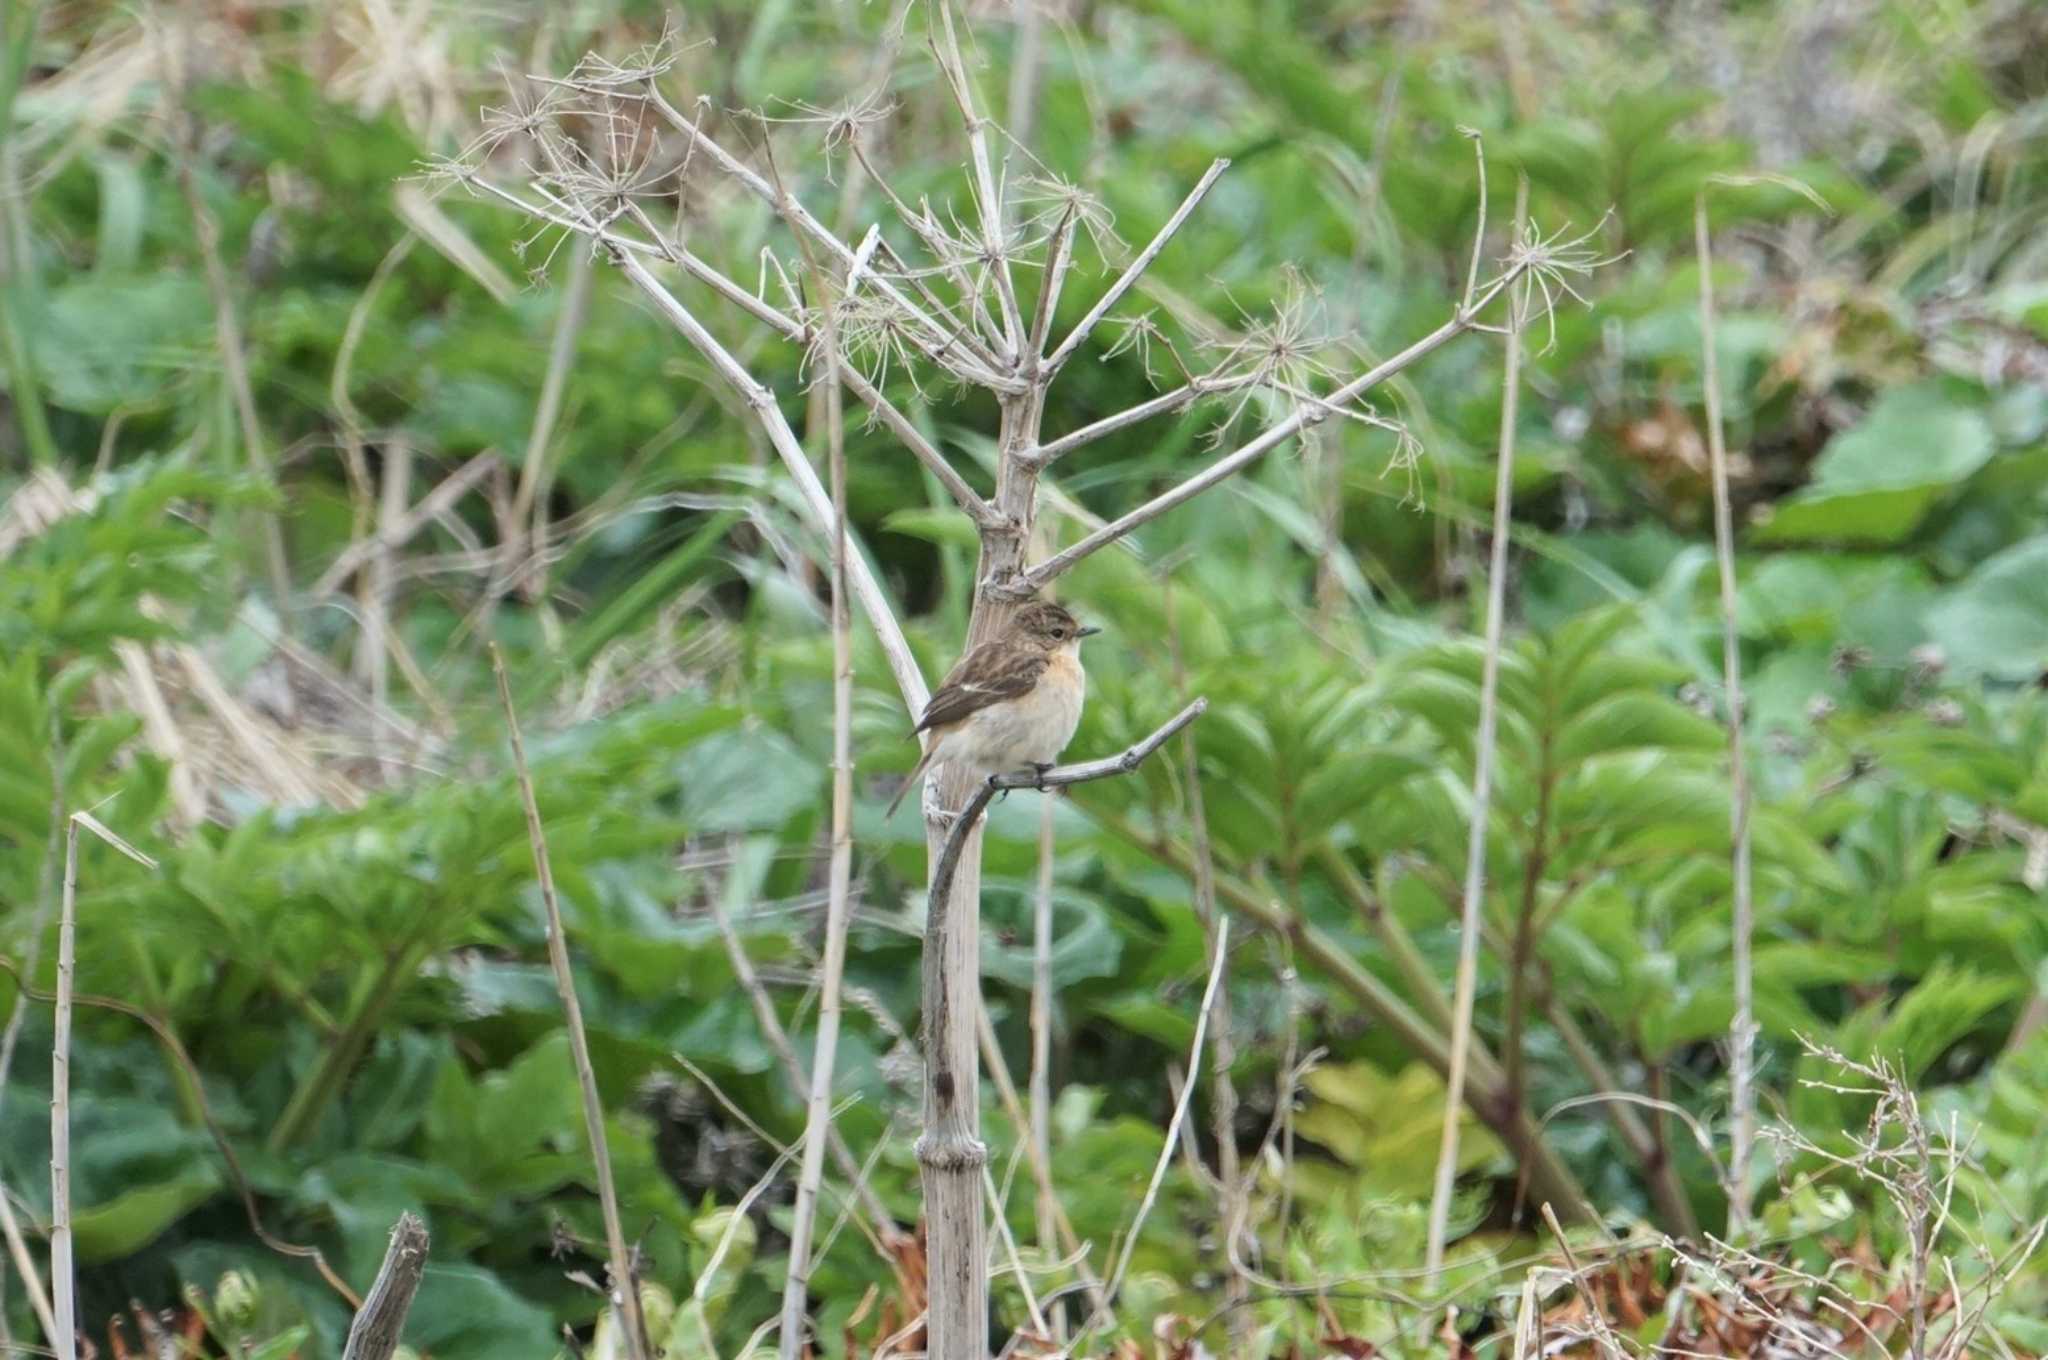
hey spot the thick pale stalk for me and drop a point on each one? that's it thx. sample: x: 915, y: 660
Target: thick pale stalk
x: 951, y: 1154
x: 1482, y: 791
x: 1742, y: 1032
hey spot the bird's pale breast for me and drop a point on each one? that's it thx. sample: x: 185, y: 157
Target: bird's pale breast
x: 1030, y: 730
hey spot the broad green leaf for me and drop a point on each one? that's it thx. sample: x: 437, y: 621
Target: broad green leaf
x: 1629, y: 721
x: 1876, y: 482
x: 1995, y: 623
x: 133, y: 1219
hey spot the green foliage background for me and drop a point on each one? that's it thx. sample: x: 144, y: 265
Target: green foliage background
x: 358, y: 972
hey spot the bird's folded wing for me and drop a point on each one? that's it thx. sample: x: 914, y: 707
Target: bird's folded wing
x: 989, y: 674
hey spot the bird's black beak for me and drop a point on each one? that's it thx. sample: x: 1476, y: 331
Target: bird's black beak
x: 1090, y: 631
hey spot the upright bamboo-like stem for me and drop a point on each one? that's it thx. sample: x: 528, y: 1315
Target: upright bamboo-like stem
x: 625, y: 1291
x: 951, y: 1152
x: 1482, y: 783
x: 63, y: 1280
x: 818, y: 1124
x: 1742, y: 1032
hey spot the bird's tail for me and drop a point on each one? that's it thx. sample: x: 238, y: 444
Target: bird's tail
x: 916, y: 773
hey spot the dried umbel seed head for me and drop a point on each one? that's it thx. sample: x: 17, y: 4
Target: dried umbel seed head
x: 1928, y: 660
x: 1820, y: 708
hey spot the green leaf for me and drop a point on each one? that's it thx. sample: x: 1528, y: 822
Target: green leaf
x: 282, y: 1346
x: 1876, y: 482
x: 1633, y: 721
x: 934, y: 526
x: 133, y: 1219
x: 1996, y: 622
x: 466, y: 1313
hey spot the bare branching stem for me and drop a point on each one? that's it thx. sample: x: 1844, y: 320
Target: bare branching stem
x: 1178, y: 399
x: 1742, y: 1030
x: 957, y: 309
x: 1135, y: 270
x: 988, y: 195
x: 873, y: 600
x: 792, y: 207
x: 1030, y: 582
x: 1482, y: 785
x: 625, y: 1290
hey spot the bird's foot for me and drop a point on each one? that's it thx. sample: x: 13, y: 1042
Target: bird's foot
x: 1042, y: 768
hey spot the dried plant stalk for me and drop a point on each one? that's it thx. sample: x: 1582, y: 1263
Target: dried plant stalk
x: 63, y: 1278
x: 1040, y: 1083
x: 896, y: 319
x: 818, y: 1123
x: 1742, y: 1029
x: 381, y: 1320
x: 625, y: 1291
x: 1482, y: 782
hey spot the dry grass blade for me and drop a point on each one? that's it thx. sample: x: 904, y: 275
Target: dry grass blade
x: 625, y: 1291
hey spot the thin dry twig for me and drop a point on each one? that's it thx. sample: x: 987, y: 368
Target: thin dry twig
x: 796, y: 1287
x: 63, y: 1277
x: 1030, y: 582
x: 1136, y: 268
x: 1742, y: 1029
x: 1040, y: 1080
x: 1602, y: 1331
x: 881, y: 1227
x: 1482, y: 784
x: 1173, y: 1128
x: 625, y: 1291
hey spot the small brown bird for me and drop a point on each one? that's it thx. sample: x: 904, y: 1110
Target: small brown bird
x: 1011, y: 703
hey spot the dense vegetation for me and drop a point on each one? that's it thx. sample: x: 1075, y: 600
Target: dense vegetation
x: 293, y: 430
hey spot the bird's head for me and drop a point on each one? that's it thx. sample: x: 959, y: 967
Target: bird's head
x: 1045, y: 624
